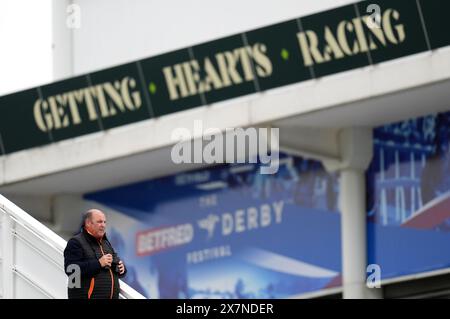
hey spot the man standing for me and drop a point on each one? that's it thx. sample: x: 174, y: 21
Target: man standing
x: 90, y: 256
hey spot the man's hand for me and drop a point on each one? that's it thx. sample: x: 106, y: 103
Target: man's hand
x: 106, y: 260
x: 121, y: 268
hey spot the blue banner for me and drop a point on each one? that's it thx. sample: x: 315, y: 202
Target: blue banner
x: 409, y: 196
x: 228, y: 231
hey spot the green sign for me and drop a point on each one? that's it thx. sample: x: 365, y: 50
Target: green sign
x: 309, y: 47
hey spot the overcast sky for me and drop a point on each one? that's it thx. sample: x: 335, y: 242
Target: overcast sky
x: 25, y: 44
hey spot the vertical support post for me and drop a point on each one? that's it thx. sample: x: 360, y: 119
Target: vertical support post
x: 62, y: 39
x: 356, y: 153
x: 8, y: 254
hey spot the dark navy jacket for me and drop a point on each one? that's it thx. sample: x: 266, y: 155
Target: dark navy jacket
x: 96, y: 282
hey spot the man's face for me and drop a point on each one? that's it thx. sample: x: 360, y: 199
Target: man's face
x: 97, y: 224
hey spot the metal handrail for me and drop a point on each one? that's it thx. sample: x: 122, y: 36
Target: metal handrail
x: 27, y: 220
x: 36, y: 249
x: 32, y: 282
x: 51, y: 238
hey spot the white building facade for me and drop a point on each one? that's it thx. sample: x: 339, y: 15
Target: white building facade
x: 358, y: 90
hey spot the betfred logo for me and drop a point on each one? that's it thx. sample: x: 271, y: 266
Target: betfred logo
x: 159, y: 239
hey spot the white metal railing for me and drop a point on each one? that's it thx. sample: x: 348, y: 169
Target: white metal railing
x: 31, y: 258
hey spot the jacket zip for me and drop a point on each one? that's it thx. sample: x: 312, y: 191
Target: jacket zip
x: 110, y: 272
